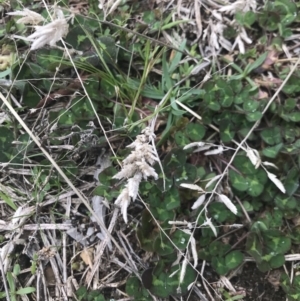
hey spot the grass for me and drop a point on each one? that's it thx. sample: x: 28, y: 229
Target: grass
x: 209, y: 93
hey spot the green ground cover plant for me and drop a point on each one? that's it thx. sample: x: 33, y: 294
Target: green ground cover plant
x: 149, y: 150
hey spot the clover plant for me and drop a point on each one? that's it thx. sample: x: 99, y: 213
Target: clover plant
x: 161, y: 282
x: 11, y: 278
x: 82, y: 294
x: 126, y: 79
x: 278, y: 15
x: 292, y: 289
x: 267, y: 246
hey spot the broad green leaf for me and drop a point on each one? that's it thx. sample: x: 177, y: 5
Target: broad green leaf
x: 285, y: 282
x: 273, y: 219
x: 220, y: 212
x: 149, y: 17
x: 254, y: 247
x: 271, y: 136
x: 276, y: 241
x: 256, y: 63
x: 249, y: 18
x: 5, y: 73
x: 106, y: 175
x: 227, y: 101
x: 277, y: 261
x: 11, y: 282
x: 214, y: 105
x: 291, y: 182
x: 234, y: 259
x: 145, y: 233
x: 133, y: 287
x: 176, y: 59
x: 272, y: 151
x: 295, y: 235
x: 25, y: 291
x: 16, y: 270
x: 173, y: 282
x: 195, y: 131
x: 290, y: 133
x: 104, y: 53
x: 159, y: 287
x: 162, y: 245
x: 238, y: 181
x: 152, y: 92
x: 255, y: 187
x: 48, y: 59
x: 289, y: 104
x: 250, y: 105
x: 227, y: 134
x: 248, y: 207
x: 106, y: 192
x: 174, y: 161
x: 264, y: 266
x: 242, y: 96
x: 79, y: 38
x: 218, y: 248
x: 172, y: 24
x: 236, y: 86
x: 294, y: 116
x: 296, y: 281
x: 252, y: 117
x: 293, y: 148
x: 181, y: 139
x: 8, y: 200
x: 180, y: 239
x: 162, y: 214
x: 187, y: 174
x: 259, y: 227
x: 245, y: 19
x: 219, y: 265
x: 286, y: 202
x: 66, y: 117
x: 287, y: 10
x: 244, y: 165
x: 172, y: 199
x: 167, y: 83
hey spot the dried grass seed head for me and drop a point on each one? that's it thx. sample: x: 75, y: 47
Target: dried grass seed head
x: 123, y: 202
x: 46, y: 34
x: 28, y: 17
x: 136, y: 166
x: 239, y: 6
x: 126, y: 172
x: 133, y: 185
x: 144, y: 151
x: 149, y: 133
x: 147, y: 170
x: 49, y: 34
